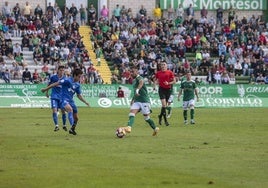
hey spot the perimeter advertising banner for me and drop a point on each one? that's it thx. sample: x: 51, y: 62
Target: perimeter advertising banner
x: 214, y: 4
x: 104, y: 96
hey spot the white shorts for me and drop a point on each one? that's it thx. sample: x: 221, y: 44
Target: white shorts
x: 187, y: 104
x: 144, y: 107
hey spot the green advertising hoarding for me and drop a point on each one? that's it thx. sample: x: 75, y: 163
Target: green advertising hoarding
x: 214, y: 4
x: 104, y: 96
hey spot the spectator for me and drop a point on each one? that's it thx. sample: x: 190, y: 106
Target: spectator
x: 190, y: 12
x: 180, y: 11
x: 73, y: 12
x: 225, y: 79
x: 157, y: 12
x: 38, y: 11
x: 120, y: 93
x: 6, y: 76
x: 16, y: 11
x: 36, y: 78
x: 231, y: 14
x: 217, y: 77
x: 27, y: 10
x: 15, y: 71
x: 82, y: 12
x: 219, y: 16
x: 238, y: 68
x: 260, y: 79
x: 104, y: 13
x: 26, y: 76
x: 6, y: 10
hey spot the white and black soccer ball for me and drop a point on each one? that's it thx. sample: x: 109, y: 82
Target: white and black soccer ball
x: 120, y: 132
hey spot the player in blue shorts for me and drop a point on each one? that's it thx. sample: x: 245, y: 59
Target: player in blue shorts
x: 55, y: 98
x: 70, y: 87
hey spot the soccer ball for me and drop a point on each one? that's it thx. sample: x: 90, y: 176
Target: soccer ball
x: 120, y: 132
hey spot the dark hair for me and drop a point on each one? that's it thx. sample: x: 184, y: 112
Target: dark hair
x: 77, y: 72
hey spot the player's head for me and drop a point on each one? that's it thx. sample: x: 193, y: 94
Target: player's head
x: 163, y: 65
x: 60, y: 70
x: 134, y: 71
x: 188, y: 75
x: 77, y: 73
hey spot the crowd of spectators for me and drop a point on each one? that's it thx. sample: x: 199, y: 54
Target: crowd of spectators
x: 212, y: 46
x: 52, y: 35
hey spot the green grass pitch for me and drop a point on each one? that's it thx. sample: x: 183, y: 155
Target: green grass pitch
x: 226, y: 148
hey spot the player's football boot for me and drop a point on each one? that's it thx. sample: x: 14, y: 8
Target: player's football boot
x: 64, y: 128
x: 72, y: 130
x: 127, y: 129
x: 192, y: 121
x: 156, y: 130
x: 56, y: 128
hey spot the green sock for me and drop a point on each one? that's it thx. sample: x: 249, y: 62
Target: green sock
x: 169, y: 109
x: 151, y: 123
x: 185, y: 114
x: 192, y: 113
x: 130, y: 121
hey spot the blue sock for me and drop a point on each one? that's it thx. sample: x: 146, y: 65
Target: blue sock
x: 71, y: 118
x: 55, y: 118
x: 64, y: 119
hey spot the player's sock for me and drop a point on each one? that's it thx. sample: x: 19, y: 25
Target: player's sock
x: 168, y: 109
x: 55, y: 118
x: 71, y: 118
x: 163, y: 111
x: 130, y: 121
x: 185, y: 115
x: 192, y: 113
x: 64, y: 119
x: 151, y: 123
x: 131, y: 118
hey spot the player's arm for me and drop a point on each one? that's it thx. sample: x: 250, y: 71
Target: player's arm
x: 49, y: 87
x: 196, y: 94
x: 81, y: 98
x: 179, y: 94
x: 173, y: 81
x: 139, y: 87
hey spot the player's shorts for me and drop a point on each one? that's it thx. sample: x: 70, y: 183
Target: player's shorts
x: 144, y: 107
x: 55, y: 103
x: 187, y: 104
x: 171, y: 98
x: 71, y: 103
x: 164, y: 93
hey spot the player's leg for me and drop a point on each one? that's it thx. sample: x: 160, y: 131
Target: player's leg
x: 167, y: 94
x: 146, y: 110
x: 75, y: 118
x: 54, y: 107
x: 69, y: 111
x: 169, y: 109
x: 191, y: 104
x: 163, y: 105
x: 64, y: 118
x: 134, y: 109
x: 185, y: 108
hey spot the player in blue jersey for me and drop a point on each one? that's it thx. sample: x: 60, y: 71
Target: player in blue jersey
x: 55, y: 98
x: 70, y: 87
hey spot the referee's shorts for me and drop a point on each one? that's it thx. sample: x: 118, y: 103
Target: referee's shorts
x: 164, y: 93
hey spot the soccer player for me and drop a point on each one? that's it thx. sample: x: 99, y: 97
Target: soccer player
x: 189, y: 90
x: 70, y: 87
x: 165, y: 79
x: 55, y: 98
x: 140, y: 103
